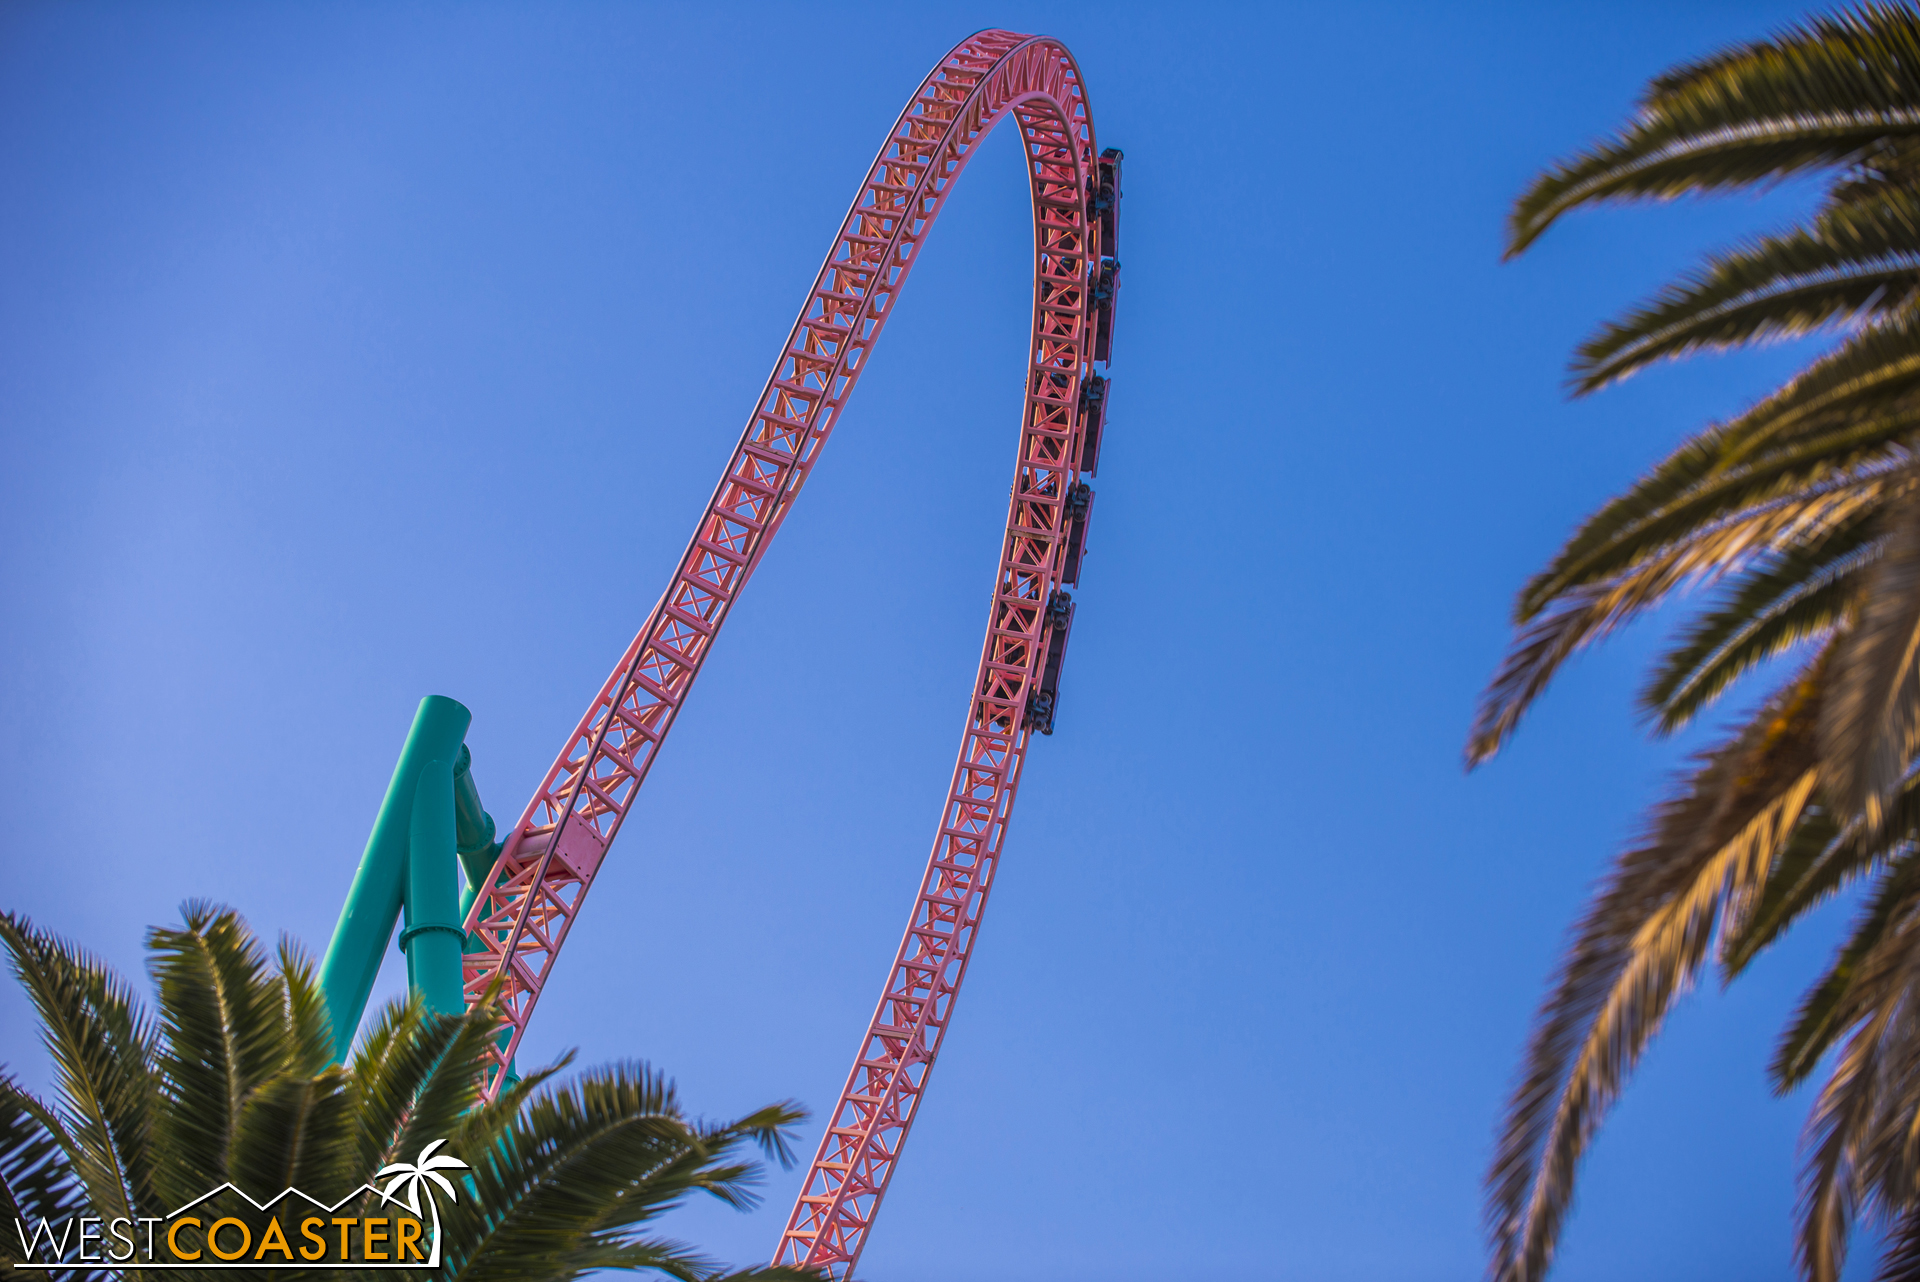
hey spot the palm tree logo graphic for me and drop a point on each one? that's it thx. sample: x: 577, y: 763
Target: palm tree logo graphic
x: 414, y: 1177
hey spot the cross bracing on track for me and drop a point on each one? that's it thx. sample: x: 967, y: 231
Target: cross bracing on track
x: 531, y: 899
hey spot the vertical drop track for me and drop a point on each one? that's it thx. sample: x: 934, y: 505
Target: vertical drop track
x: 535, y: 891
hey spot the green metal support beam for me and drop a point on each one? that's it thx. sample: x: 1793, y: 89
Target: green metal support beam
x: 380, y: 884
x: 433, y: 936
x: 473, y: 832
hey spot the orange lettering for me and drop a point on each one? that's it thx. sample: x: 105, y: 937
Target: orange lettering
x: 276, y: 1238
x: 346, y: 1227
x: 213, y: 1237
x: 173, y: 1244
x: 406, y: 1237
x: 369, y: 1239
x: 307, y: 1227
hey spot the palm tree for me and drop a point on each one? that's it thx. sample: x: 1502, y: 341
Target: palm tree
x: 230, y: 1083
x: 1803, y: 514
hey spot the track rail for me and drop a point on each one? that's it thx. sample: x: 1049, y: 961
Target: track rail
x: 534, y: 894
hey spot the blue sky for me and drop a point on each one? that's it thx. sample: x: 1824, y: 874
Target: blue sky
x: 354, y: 352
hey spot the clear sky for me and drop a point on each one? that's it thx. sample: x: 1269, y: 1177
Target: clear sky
x: 355, y: 352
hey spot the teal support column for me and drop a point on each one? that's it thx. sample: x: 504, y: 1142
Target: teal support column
x: 479, y: 848
x: 379, y: 885
x: 473, y: 832
x: 433, y: 937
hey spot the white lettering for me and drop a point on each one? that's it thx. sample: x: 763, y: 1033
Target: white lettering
x: 28, y: 1245
x: 84, y: 1221
x: 118, y: 1236
x: 149, y: 1221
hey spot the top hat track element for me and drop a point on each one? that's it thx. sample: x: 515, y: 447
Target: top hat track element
x: 534, y: 893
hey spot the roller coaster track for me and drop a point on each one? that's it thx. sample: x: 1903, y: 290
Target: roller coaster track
x: 530, y: 901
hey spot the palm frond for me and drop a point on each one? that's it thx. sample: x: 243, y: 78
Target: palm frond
x: 1872, y: 377
x: 1804, y: 873
x: 1860, y: 1147
x: 224, y: 1012
x: 1804, y: 616
x: 1870, y: 722
x: 1836, y: 470
x: 310, y: 1046
x: 488, y: 1122
x: 37, y: 1181
x: 1707, y: 855
x: 394, y: 1062
x: 1799, y: 593
x: 1832, y: 91
x: 451, y: 1086
x: 1593, y: 611
x: 297, y: 1130
x: 1840, y: 998
x: 103, y: 1048
x: 1874, y: 374
x: 572, y: 1179
x: 675, y: 1259
x: 1892, y: 163
x: 1856, y: 262
x: 1824, y: 856
x: 1900, y: 1261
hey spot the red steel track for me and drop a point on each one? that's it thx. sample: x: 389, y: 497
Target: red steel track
x: 535, y: 891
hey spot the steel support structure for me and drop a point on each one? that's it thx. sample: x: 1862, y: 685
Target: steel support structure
x: 533, y: 895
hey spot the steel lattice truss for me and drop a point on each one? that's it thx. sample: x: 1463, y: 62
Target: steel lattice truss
x: 535, y: 891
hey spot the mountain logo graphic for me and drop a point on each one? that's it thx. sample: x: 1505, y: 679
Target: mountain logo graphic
x: 184, y: 1240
